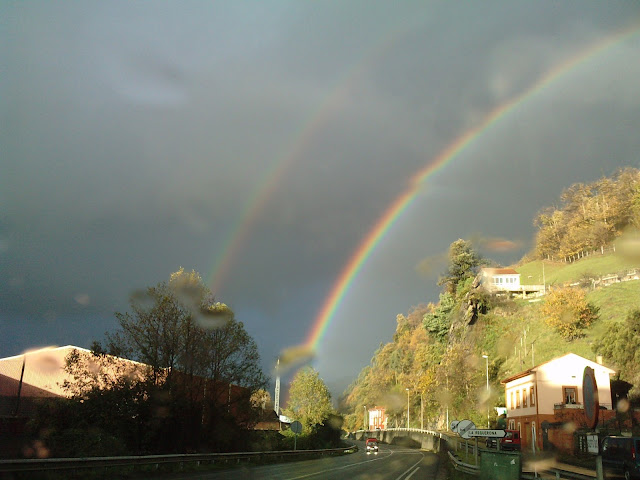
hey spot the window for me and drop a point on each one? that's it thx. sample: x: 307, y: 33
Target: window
x: 570, y: 395
x: 524, y: 398
x: 533, y: 396
x: 511, y: 404
x: 517, y: 398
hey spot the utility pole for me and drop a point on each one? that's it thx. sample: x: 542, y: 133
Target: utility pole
x: 407, y: 408
x: 24, y: 361
x: 364, y: 420
x: 486, y: 357
x: 276, y: 401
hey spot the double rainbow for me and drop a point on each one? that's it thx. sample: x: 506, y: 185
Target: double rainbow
x: 403, y: 201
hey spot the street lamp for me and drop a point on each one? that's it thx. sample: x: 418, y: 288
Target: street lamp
x: 486, y: 357
x: 365, y: 418
x: 407, y: 408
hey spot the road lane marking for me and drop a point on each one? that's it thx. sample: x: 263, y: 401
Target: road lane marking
x: 342, y: 468
x: 405, y: 472
x: 411, y: 474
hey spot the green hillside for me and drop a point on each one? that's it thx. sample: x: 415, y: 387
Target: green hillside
x: 448, y: 350
x: 512, y: 333
x: 614, y: 302
x: 556, y: 273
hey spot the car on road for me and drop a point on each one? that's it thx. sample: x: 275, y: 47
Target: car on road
x: 372, y: 445
x: 511, y: 441
x: 621, y: 455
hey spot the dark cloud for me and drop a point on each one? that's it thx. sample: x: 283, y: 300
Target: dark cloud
x: 136, y: 139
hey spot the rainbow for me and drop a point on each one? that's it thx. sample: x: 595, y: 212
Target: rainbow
x: 403, y: 201
x: 255, y: 204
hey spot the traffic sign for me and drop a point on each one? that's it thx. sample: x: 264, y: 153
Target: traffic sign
x: 464, y: 426
x: 590, y: 397
x: 485, y: 432
x: 296, y: 427
x: 454, y: 425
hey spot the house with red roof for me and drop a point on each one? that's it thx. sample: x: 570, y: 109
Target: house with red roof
x: 546, y: 403
x: 507, y: 280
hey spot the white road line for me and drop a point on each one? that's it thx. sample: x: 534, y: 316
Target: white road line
x: 341, y: 468
x: 405, y: 472
x: 411, y: 474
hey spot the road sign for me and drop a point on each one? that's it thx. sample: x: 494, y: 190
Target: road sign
x: 485, y: 432
x: 590, y: 397
x: 296, y: 427
x: 454, y: 425
x: 464, y: 426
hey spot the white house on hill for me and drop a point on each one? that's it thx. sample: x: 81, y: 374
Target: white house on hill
x: 507, y: 280
x: 501, y: 279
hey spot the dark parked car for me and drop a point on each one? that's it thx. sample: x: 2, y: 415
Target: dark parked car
x: 621, y: 455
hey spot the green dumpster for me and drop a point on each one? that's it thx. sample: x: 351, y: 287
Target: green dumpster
x: 500, y: 466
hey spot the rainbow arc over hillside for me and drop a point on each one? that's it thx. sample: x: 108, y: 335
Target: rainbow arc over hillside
x: 453, y: 150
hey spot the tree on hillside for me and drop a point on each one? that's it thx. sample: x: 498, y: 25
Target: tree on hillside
x: 590, y: 216
x: 621, y: 345
x: 438, y: 320
x: 309, y: 399
x: 568, y: 312
x: 463, y: 263
x: 460, y: 379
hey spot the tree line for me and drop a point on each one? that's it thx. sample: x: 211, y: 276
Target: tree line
x: 191, y: 390
x: 590, y: 216
x: 179, y: 375
x: 431, y: 367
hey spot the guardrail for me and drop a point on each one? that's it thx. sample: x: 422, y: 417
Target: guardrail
x: 457, y: 443
x: 559, y: 475
x: 43, y: 464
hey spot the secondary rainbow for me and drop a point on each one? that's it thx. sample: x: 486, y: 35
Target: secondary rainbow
x: 403, y: 201
x: 238, y: 234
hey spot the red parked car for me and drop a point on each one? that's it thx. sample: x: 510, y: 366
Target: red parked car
x: 511, y: 441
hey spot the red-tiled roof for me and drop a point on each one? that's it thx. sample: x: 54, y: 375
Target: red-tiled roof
x: 500, y: 271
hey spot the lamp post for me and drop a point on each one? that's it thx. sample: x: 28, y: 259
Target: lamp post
x: 486, y: 357
x: 407, y: 408
x: 364, y: 427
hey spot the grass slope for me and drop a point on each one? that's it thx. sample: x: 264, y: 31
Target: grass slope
x: 517, y: 333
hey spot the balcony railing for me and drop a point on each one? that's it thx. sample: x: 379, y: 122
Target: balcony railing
x: 580, y: 406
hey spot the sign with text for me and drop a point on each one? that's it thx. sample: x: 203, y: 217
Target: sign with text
x: 486, y: 433
x: 592, y: 444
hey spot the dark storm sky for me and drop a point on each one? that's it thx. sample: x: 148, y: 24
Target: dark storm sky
x: 135, y: 136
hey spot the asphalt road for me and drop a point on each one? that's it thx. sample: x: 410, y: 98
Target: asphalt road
x: 391, y: 463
